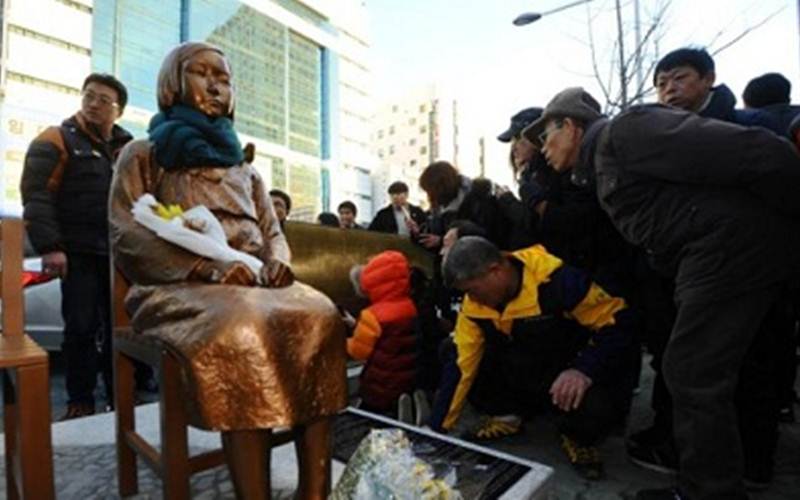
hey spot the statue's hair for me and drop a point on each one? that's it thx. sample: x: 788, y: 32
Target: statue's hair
x: 170, y: 76
x: 469, y: 258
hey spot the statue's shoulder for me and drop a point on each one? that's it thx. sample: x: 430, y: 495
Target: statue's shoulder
x: 135, y: 152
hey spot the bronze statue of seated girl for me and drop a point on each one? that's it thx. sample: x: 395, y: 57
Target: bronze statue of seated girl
x: 258, y: 350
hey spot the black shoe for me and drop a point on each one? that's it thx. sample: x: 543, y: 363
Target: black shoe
x: 786, y: 415
x: 653, y: 435
x: 77, y: 410
x: 661, y: 494
x: 584, y: 459
x: 661, y: 457
x: 757, y: 476
x: 148, y: 385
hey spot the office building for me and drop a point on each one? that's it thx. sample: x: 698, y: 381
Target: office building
x: 300, y: 69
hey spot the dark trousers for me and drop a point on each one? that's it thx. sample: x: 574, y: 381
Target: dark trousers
x: 765, y: 366
x: 515, y: 380
x: 703, y: 363
x: 85, y: 307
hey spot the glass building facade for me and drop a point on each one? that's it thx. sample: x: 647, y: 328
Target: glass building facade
x: 277, y: 75
x: 130, y: 39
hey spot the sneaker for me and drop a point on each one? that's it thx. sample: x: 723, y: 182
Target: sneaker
x: 77, y: 410
x: 661, y: 494
x: 422, y: 409
x: 584, y: 459
x: 496, y: 427
x: 404, y: 409
x: 661, y: 457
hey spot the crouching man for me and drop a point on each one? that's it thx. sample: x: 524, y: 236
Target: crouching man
x: 534, y: 334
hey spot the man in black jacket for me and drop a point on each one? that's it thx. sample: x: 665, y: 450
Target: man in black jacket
x: 685, y: 78
x: 393, y: 218
x: 65, y: 184
x: 714, y: 205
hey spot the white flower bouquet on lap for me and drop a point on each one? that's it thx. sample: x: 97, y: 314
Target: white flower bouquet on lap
x: 196, y: 230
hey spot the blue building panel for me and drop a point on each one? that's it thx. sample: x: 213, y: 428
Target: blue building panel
x: 329, y: 103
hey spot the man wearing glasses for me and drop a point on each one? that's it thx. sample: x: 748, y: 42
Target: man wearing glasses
x: 715, y: 206
x: 65, y: 183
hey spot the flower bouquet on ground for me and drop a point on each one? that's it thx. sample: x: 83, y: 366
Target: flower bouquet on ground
x: 384, y: 467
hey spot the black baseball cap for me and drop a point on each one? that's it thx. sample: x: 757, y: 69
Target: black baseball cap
x: 518, y: 122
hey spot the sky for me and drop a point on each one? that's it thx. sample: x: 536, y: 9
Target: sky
x: 472, y: 47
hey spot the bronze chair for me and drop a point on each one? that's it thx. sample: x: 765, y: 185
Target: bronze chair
x: 172, y: 464
x: 26, y: 386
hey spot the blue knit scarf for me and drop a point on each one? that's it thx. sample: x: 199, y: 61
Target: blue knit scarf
x: 185, y: 137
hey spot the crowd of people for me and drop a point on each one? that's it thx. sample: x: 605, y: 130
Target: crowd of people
x: 672, y: 227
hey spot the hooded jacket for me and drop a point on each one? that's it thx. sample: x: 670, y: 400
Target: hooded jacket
x: 712, y: 203
x: 720, y: 104
x: 384, y: 335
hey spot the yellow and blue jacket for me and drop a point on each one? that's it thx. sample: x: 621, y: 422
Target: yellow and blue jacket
x: 549, y: 288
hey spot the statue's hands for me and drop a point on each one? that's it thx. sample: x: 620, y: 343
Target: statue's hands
x: 226, y: 273
x: 276, y: 274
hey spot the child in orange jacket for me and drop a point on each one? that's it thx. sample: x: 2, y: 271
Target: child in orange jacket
x: 384, y: 334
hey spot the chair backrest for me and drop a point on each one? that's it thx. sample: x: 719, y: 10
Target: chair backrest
x: 11, y: 252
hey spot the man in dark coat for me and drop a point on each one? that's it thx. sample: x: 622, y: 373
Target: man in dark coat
x: 392, y: 219
x: 685, y: 78
x: 714, y: 205
x: 65, y: 184
x: 563, y: 215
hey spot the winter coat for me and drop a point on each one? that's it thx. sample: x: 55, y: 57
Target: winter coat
x: 559, y: 308
x: 385, y: 222
x: 440, y: 217
x: 384, y: 335
x: 574, y: 227
x: 777, y: 117
x: 721, y: 104
x: 65, y: 185
x: 713, y: 204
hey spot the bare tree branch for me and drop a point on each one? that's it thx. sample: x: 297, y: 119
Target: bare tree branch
x: 593, y: 52
x: 747, y: 31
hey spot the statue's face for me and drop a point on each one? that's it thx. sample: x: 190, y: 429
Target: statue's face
x: 207, y: 84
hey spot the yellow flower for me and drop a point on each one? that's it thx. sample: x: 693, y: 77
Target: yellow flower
x: 168, y: 212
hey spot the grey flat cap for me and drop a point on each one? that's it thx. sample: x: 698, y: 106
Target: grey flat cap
x: 573, y: 102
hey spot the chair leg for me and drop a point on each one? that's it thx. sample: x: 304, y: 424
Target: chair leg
x: 174, y: 439
x: 313, y: 448
x: 124, y: 389
x: 10, y: 429
x: 35, y: 443
x: 248, y: 456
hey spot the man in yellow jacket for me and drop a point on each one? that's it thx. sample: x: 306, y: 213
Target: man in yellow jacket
x: 534, y: 335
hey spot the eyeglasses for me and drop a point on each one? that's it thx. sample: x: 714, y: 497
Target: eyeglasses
x: 89, y: 97
x: 543, y: 136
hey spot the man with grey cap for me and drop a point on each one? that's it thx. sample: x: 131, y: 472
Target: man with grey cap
x: 564, y: 216
x: 714, y: 205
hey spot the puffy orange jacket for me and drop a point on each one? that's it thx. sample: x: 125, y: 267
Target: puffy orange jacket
x: 384, y: 335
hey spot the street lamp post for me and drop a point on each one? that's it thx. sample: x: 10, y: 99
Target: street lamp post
x: 530, y: 17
